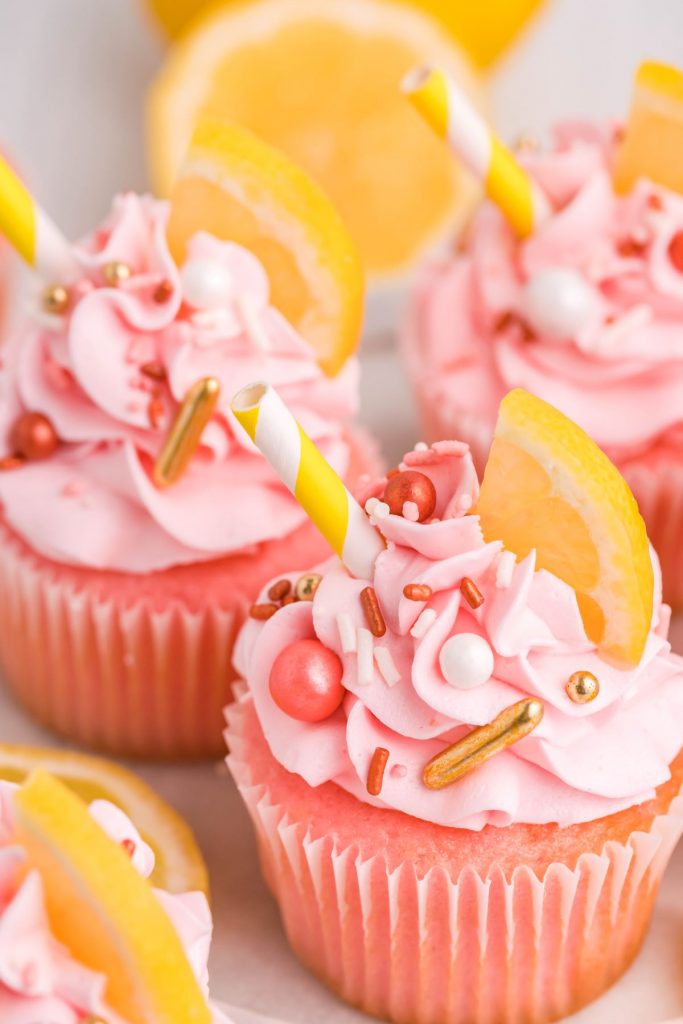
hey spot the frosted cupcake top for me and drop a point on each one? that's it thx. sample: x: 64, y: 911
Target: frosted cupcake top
x: 110, y: 373
x: 413, y: 692
x: 39, y: 980
x: 587, y: 312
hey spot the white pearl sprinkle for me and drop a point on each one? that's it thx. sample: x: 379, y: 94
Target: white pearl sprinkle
x: 206, y: 284
x: 466, y: 660
x: 421, y: 446
x: 558, y: 302
x: 370, y: 505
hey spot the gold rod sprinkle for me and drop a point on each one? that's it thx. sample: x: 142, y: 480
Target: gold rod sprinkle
x: 186, y: 431
x: 483, y: 743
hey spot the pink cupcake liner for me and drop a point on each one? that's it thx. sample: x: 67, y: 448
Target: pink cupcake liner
x: 140, y: 666
x: 432, y: 949
x: 656, y: 479
x: 126, y: 665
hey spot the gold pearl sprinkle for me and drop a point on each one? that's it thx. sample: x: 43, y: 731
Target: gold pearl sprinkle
x: 116, y: 272
x: 483, y: 743
x: 306, y: 586
x: 582, y: 687
x: 55, y: 299
x: 186, y: 431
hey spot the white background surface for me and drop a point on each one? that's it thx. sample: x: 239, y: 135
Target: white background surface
x: 73, y: 75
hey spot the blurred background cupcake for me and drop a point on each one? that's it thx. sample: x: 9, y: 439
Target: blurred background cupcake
x: 433, y: 751
x: 138, y: 523
x: 570, y: 284
x: 96, y: 923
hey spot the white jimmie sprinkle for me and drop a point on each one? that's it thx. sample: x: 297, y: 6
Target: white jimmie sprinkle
x: 426, y: 619
x: 386, y: 665
x: 347, y: 634
x: 505, y: 567
x: 364, y: 644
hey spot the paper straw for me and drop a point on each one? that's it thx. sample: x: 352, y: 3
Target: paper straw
x: 442, y: 103
x: 310, y: 478
x: 34, y: 236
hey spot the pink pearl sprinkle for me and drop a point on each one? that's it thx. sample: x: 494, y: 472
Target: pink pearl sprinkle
x: 410, y: 511
x: 399, y: 771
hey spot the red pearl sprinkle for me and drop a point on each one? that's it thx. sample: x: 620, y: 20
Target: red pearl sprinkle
x: 409, y: 485
x: 676, y: 251
x: 33, y: 436
x: 305, y: 681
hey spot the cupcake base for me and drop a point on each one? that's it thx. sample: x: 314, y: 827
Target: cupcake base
x: 426, y: 925
x: 129, y: 665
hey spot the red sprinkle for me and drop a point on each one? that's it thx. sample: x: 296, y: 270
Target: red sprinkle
x: 262, y: 611
x: 376, y: 771
x: 417, y: 591
x: 471, y: 592
x: 654, y: 201
x: 156, y: 411
x: 373, y: 612
x: 289, y: 599
x: 676, y: 251
x: 163, y: 291
x: 11, y: 462
x: 509, y: 320
x: 392, y: 472
x: 627, y: 247
x: 155, y: 371
x: 411, y: 485
x: 280, y: 590
x: 129, y: 846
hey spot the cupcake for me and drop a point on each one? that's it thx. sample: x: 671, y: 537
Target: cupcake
x: 138, y: 520
x: 464, y: 770
x: 84, y: 936
x: 585, y: 310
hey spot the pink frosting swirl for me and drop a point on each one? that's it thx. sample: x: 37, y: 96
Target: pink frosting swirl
x: 93, y: 502
x: 619, y: 373
x: 571, y: 769
x: 39, y: 979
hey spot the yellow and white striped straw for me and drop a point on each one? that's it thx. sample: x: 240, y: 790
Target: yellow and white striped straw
x: 310, y: 478
x: 34, y: 236
x: 442, y: 103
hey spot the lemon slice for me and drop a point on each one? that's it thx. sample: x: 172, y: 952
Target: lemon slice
x: 547, y: 486
x: 653, y: 144
x: 179, y: 865
x: 241, y: 189
x: 320, y: 81
x: 103, y: 911
x: 485, y: 29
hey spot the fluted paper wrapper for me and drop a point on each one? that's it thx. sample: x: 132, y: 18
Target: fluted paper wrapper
x: 431, y: 950
x: 656, y: 479
x: 122, y: 676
